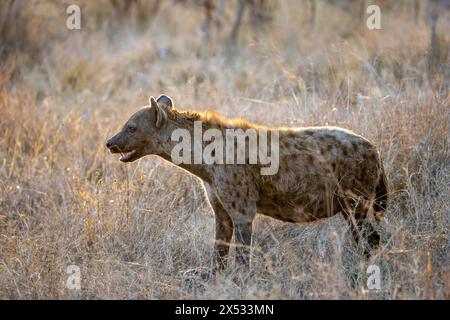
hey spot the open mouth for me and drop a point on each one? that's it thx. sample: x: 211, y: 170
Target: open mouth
x: 126, y: 156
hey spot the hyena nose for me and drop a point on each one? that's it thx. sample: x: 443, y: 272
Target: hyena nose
x: 109, y: 144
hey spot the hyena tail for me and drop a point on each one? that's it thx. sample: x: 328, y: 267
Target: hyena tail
x: 381, y: 193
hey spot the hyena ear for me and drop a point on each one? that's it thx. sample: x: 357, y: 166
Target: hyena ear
x: 165, y: 100
x: 161, y: 115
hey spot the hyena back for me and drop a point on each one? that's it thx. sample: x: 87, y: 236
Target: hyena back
x: 322, y: 171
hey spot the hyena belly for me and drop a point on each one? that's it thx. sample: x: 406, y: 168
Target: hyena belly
x: 309, y: 200
x: 322, y: 172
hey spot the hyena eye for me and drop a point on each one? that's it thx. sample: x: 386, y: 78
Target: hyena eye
x: 131, y: 129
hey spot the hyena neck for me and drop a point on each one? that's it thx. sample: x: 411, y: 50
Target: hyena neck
x: 201, y: 170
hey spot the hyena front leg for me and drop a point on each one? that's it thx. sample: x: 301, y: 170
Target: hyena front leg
x: 224, y: 230
x: 242, y: 212
x: 243, y: 238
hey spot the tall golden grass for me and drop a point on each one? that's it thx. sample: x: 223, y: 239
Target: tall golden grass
x: 144, y: 230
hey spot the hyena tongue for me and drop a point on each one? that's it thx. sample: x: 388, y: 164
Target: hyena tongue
x: 126, y: 155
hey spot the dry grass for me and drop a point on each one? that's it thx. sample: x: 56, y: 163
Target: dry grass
x: 141, y: 230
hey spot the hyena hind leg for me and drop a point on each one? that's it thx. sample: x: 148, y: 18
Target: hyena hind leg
x: 365, y: 229
x: 362, y: 228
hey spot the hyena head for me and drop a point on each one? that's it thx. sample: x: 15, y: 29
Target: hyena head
x: 141, y: 134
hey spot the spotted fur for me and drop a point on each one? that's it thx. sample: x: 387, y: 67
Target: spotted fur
x: 323, y: 171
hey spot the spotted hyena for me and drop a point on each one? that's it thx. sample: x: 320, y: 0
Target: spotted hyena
x: 322, y: 171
